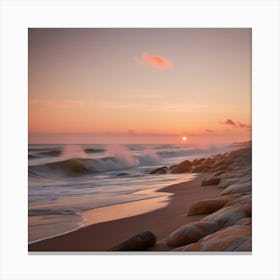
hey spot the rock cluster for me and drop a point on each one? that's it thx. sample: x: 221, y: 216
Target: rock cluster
x: 230, y: 212
x: 227, y: 227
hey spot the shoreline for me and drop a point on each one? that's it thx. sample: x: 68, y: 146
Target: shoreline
x: 102, y: 214
x: 178, y: 192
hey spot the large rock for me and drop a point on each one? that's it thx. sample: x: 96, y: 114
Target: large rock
x: 229, y: 215
x: 197, y: 161
x: 190, y: 233
x: 184, y: 166
x: 234, y: 174
x: 226, y: 182
x: 234, y: 238
x: 201, y: 168
x: 244, y: 221
x: 208, y: 161
x: 211, y: 181
x: 218, y: 173
x: 244, y: 199
x: 241, y: 188
x: 209, y: 206
x: 137, y: 242
x: 246, y: 178
x: 160, y: 170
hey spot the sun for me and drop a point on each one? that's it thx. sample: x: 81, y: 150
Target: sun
x: 184, y: 138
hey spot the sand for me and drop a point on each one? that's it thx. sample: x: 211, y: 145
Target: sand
x: 105, y: 234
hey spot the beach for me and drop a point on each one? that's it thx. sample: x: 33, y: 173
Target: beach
x: 217, y: 200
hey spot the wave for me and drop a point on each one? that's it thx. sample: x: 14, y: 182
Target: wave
x: 46, y: 212
x: 83, y: 166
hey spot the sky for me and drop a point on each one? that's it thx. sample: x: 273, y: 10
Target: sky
x: 149, y: 85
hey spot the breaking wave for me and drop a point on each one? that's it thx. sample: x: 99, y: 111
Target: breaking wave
x: 83, y: 166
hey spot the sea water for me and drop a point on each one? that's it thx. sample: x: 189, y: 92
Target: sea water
x: 64, y: 181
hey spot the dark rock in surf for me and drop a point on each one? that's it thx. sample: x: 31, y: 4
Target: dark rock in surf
x: 138, y: 242
x: 197, y: 161
x: 182, y: 167
x: 160, y: 170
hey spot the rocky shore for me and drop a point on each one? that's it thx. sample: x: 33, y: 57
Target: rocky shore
x: 225, y: 223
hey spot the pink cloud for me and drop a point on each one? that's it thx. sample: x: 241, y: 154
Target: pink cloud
x: 155, y: 61
x: 235, y: 123
x: 243, y: 125
x: 228, y: 122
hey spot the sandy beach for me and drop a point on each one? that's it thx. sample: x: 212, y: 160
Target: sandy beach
x: 102, y: 236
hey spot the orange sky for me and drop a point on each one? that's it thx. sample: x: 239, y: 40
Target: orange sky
x: 139, y: 85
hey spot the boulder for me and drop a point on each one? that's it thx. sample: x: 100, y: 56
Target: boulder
x: 201, y: 168
x: 246, y: 178
x: 244, y: 221
x: 190, y: 233
x: 209, y: 206
x: 197, y: 161
x: 229, y: 215
x: 244, y: 199
x: 234, y: 174
x: 218, y: 173
x: 226, y: 182
x: 238, y: 188
x: 160, y: 170
x: 184, y: 166
x: 208, y: 161
x: 137, y: 242
x: 210, y: 181
x: 234, y: 238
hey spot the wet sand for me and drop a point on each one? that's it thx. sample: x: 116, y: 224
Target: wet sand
x: 102, y: 236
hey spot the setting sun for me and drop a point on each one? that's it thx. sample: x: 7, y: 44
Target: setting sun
x: 184, y: 138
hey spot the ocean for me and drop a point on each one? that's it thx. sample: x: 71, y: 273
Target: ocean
x: 64, y: 181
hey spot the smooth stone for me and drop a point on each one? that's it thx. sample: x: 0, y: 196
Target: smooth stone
x: 197, y: 161
x: 184, y: 166
x: 160, y: 170
x: 209, y: 206
x: 211, y: 181
x: 217, y: 173
x: 233, y: 238
x: 244, y: 199
x: 137, y: 242
x: 229, y: 215
x: 208, y: 161
x: 190, y: 233
x: 201, y: 168
x: 238, y: 188
x: 244, y: 221
x: 226, y: 182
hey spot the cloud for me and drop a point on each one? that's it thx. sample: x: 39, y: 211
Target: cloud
x: 235, y: 124
x: 228, y: 122
x: 209, y: 130
x: 243, y: 125
x: 155, y: 61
